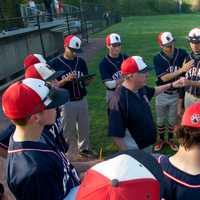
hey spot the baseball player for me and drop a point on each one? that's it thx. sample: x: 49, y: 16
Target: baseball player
x: 169, y: 65
x: 55, y: 131
x: 75, y: 115
x: 36, y: 170
x: 192, y: 82
x: 109, y: 67
x: 130, y: 107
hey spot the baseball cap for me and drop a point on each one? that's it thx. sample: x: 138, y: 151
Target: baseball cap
x: 113, y: 38
x: 29, y: 96
x: 131, y: 174
x: 73, y: 43
x: 133, y: 65
x: 165, y: 39
x: 191, y: 116
x: 194, y: 35
x: 42, y: 71
x: 32, y: 59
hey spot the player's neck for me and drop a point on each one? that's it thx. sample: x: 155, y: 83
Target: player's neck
x: 187, y: 161
x: 129, y: 86
x: 27, y: 133
x: 68, y: 57
x: 113, y: 55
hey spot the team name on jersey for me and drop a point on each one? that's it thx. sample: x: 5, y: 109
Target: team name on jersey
x: 117, y: 75
x: 78, y: 74
x: 193, y: 72
x: 172, y: 69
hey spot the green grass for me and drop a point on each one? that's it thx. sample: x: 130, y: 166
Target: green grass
x: 139, y: 38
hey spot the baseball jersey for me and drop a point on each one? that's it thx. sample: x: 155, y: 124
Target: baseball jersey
x: 54, y: 132
x: 194, y: 75
x: 132, y: 111
x: 164, y: 65
x: 77, y: 66
x: 36, y: 171
x: 110, y: 67
x: 179, y: 185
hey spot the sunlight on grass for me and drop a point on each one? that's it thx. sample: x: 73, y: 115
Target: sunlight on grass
x: 139, y: 38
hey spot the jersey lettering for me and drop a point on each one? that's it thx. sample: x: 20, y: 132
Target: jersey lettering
x: 117, y: 75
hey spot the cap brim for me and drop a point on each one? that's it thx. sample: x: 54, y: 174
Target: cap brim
x: 56, y: 75
x: 193, y: 40
x: 169, y: 44
x: 76, y: 50
x: 58, y: 97
x: 145, y: 70
x: 116, y: 44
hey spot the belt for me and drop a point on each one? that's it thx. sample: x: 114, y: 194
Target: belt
x: 78, y: 99
x: 171, y: 92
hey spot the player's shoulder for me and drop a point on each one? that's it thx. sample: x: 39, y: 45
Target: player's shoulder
x: 182, y: 51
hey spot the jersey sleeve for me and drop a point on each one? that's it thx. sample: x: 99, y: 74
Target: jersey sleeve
x: 84, y: 67
x: 150, y: 92
x: 116, y: 127
x: 160, y: 70
x: 104, y: 72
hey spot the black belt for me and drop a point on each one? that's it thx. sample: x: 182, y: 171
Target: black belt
x: 171, y: 92
x: 77, y: 99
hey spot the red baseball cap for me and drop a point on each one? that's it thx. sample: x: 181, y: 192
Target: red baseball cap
x: 191, y: 116
x: 42, y: 71
x: 131, y: 174
x: 32, y: 59
x: 113, y: 38
x: 73, y: 43
x: 165, y: 39
x: 133, y: 65
x: 29, y: 96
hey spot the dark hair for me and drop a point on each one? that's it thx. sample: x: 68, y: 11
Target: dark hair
x: 20, y: 122
x: 188, y: 136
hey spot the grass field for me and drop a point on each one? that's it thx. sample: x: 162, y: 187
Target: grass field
x: 139, y: 38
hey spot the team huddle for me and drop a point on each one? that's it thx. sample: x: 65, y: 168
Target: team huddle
x: 50, y: 105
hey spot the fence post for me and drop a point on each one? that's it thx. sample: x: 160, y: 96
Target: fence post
x: 67, y: 18
x: 40, y: 33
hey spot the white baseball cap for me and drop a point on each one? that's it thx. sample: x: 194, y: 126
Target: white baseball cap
x: 113, y: 38
x: 73, y: 43
x: 32, y: 59
x: 165, y: 39
x: 194, y: 35
x: 42, y: 71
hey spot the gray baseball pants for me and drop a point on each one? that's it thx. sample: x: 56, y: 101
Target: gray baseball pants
x: 76, y: 122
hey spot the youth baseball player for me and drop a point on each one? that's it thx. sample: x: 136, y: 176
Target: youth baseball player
x: 169, y: 65
x: 75, y: 115
x: 192, y: 89
x: 109, y: 66
x: 36, y: 170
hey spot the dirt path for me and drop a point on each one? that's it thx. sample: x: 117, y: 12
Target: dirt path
x: 89, y: 51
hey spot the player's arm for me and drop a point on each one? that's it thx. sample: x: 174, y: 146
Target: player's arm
x: 66, y: 79
x: 176, y: 84
x: 185, y: 67
x: 120, y: 143
x: 112, y: 84
x: 116, y: 127
x: 3, y: 152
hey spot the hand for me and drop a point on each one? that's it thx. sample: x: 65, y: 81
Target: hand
x: 89, y: 80
x: 187, y: 65
x: 70, y: 77
x: 182, y: 82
